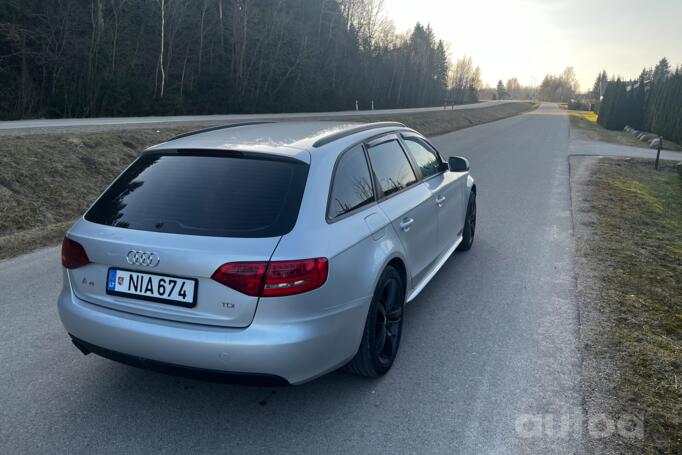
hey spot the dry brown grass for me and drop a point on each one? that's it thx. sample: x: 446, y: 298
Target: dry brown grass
x: 48, y: 180
x: 441, y: 122
x: 629, y: 252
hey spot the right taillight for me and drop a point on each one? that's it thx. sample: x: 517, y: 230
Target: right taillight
x: 73, y: 254
x: 294, y: 277
x: 273, y: 279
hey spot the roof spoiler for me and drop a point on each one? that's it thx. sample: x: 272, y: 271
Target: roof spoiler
x: 215, y: 128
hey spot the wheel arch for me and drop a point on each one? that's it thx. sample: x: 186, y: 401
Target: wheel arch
x: 471, y: 184
x: 398, y: 264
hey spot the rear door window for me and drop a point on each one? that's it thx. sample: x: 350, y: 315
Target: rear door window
x: 391, y: 167
x: 205, y: 193
x: 352, y: 187
x: 427, y: 161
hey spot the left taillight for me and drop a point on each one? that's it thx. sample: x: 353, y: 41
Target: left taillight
x: 73, y: 254
x: 274, y: 279
x: 245, y: 277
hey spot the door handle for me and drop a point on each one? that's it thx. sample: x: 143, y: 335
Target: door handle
x: 406, y: 223
x: 440, y: 200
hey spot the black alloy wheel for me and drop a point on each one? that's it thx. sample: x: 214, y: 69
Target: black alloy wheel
x: 469, y: 225
x: 383, y: 329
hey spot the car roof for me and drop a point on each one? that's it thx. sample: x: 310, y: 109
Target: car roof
x: 295, y: 139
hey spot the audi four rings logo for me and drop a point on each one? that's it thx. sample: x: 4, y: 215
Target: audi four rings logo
x: 142, y: 258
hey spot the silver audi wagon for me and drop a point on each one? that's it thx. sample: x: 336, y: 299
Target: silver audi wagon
x: 265, y: 252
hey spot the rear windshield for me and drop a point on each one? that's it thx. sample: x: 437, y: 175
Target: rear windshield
x: 209, y: 194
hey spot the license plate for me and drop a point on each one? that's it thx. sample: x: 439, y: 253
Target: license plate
x: 152, y: 287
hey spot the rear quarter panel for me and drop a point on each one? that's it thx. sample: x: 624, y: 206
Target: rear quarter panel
x: 357, y: 254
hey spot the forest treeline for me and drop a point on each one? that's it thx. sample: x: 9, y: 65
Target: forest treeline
x: 86, y: 58
x: 555, y: 88
x: 653, y: 102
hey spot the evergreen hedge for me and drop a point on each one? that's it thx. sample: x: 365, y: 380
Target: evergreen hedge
x: 649, y: 105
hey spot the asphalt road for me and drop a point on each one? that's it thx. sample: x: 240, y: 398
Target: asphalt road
x: 19, y: 126
x: 489, y: 344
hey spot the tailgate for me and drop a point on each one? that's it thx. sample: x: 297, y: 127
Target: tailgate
x: 181, y: 256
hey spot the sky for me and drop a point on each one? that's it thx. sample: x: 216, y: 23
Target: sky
x: 527, y: 39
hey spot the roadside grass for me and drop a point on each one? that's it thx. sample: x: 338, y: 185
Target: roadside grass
x: 633, y: 248
x: 586, y: 124
x: 445, y: 121
x: 48, y: 180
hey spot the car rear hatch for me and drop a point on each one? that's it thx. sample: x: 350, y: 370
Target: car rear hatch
x: 175, y: 217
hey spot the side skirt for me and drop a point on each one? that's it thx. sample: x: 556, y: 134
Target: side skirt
x: 417, y: 289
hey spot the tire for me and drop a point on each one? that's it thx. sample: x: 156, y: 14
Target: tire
x: 383, y: 328
x: 469, y: 225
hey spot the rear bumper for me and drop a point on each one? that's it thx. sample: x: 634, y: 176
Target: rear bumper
x: 179, y: 370
x: 285, y: 352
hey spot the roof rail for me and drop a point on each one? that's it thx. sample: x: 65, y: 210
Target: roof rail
x: 358, y: 129
x: 214, y: 128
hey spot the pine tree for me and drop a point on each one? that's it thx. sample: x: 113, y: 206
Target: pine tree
x: 607, y: 104
x: 616, y: 107
x: 600, y: 85
x: 661, y: 71
x: 638, y: 102
x: 501, y: 90
x: 674, y: 130
x: 618, y: 117
x: 441, y: 69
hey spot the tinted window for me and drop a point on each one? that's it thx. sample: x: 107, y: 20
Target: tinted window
x: 427, y: 161
x: 205, y: 194
x: 352, y: 186
x: 391, y: 167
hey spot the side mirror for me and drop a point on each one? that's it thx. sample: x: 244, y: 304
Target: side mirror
x: 458, y: 164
